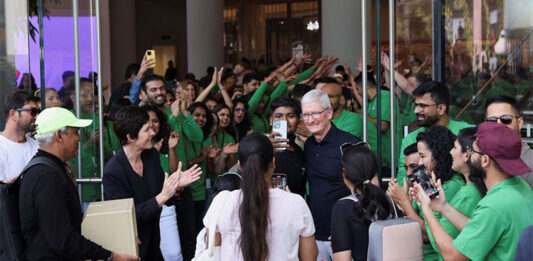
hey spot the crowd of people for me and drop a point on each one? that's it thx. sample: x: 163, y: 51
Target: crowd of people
x: 200, y: 155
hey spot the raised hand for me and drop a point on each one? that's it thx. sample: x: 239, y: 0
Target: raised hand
x: 145, y: 65
x: 397, y: 192
x: 158, y: 145
x: 187, y: 177
x: 230, y: 148
x: 175, y: 108
x: 173, y: 140
x: 219, y: 78
x: 279, y: 144
x: 213, y: 152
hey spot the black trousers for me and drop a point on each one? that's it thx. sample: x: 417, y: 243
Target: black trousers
x: 186, y: 224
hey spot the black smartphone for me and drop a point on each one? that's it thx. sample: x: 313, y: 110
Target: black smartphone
x: 279, y: 180
x: 422, y: 177
x: 387, y: 52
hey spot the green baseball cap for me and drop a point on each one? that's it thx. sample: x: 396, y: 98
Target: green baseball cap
x: 55, y: 118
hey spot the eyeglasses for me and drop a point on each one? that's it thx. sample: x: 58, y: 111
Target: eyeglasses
x: 345, y: 146
x: 471, y: 150
x: 240, y: 109
x: 315, y: 115
x: 33, y: 111
x: 505, y: 119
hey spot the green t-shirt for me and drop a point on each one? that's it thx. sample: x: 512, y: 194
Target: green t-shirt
x: 465, y: 200
x: 453, y: 126
x: 497, y: 222
x: 188, y: 129
x: 259, y: 121
x: 386, y: 116
x: 90, y: 160
x: 353, y: 123
x: 407, y: 106
x: 450, y: 188
x: 194, y: 149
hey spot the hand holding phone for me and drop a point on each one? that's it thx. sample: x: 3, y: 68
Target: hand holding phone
x: 150, y: 54
x: 421, y: 176
x: 279, y: 127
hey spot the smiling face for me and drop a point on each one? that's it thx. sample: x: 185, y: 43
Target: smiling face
x: 154, y: 121
x: 70, y: 140
x: 156, y: 93
x: 200, y: 116
x: 426, y: 110
x: 190, y: 91
x: 224, y: 118
x: 144, y: 137
x: 499, y: 109
x: 316, y: 118
x: 426, y: 156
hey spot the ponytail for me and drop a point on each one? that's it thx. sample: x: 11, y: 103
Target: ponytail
x: 255, y: 155
x: 360, y: 166
x: 375, y: 202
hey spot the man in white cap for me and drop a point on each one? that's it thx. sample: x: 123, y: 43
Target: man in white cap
x: 50, y: 211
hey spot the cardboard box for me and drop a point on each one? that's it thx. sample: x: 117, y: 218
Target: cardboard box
x: 112, y: 224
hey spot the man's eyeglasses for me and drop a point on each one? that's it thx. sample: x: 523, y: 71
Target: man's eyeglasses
x: 33, y: 111
x: 471, y: 150
x: 315, y: 115
x: 505, y: 119
x: 345, y: 146
x: 240, y: 109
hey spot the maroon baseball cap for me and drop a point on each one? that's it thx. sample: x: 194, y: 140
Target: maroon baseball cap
x: 503, y: 145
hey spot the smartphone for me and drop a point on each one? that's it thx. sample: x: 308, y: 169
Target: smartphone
x: 387, y: 52
x: 422, y: 177
x: 150, y: 54
x: 280, y: 126
x: 279, y: 180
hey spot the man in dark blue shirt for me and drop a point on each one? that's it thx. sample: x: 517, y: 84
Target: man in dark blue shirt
x: 323, y: 164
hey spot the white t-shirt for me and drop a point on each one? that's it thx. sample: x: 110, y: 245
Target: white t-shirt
x: 290, y: 218
x: 14, y: 156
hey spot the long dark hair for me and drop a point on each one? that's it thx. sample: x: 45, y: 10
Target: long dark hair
x: 440, y: 141
x: 245, y: 125
x: 208, y: 127
x: 465, y: 139
x: 255, y: 155
x: 164, y: 129
x: 360, y: 166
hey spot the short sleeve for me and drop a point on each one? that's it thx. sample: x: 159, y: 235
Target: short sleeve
x: 308, y: 228
x: 480, y: 234
x: 341, y: 239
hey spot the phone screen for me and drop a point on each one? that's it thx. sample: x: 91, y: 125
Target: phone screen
x: 422, y: 177
x: 279, y: 181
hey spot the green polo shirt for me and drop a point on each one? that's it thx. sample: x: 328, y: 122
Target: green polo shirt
x: 188, y: 129
x: 407, y: 106
x: 453, y: 126
x: 497, y: 222
x: 465, y: 200
x: 386, y: 116
x: 353, y: 123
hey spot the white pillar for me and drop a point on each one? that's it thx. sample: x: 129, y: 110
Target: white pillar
x: 341, y: 30
x: 205, y: 28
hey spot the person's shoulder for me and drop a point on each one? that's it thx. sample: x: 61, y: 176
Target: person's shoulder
x: 352, y: 115
x: 344, y: 136
x: 412, y: 135
x: 458, y: 124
